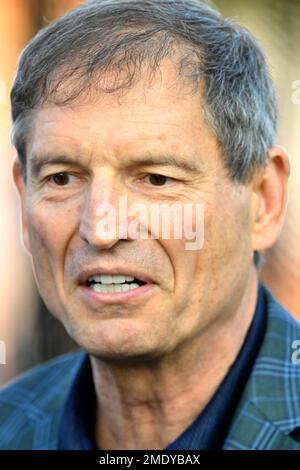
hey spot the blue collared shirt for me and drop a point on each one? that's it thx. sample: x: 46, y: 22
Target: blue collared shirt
x: 208, y: 430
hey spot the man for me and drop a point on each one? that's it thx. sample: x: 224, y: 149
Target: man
x: 156, y: 102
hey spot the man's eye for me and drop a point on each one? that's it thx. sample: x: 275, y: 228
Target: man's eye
x: 62, y: 179
x: 158, y: 180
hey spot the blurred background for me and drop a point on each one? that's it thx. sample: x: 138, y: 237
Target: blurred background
x: 30, y: 333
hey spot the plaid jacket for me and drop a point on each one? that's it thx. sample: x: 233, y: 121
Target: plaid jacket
x: 267, y: 417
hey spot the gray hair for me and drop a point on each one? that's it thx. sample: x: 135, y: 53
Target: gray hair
x: 103, y: 36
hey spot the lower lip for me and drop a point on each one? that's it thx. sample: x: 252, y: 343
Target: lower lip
x: 117, y: 297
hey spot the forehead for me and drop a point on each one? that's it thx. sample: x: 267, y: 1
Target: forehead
x: 165, y: 113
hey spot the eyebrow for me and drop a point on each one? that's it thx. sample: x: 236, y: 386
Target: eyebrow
x: 38, y: 163
x: 170, y: 160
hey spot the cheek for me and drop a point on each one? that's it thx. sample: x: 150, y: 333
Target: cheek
x: 49, y: 231
x: 185, y: 252
x: 227, y: 245
x: 184, y: 266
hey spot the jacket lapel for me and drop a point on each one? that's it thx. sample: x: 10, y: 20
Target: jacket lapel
x: 269, y: 410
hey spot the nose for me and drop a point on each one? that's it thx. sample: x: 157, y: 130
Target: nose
x: 103, y: 220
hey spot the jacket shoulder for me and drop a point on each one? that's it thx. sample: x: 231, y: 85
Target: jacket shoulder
x: 268, y: 414
x: 31, y: 405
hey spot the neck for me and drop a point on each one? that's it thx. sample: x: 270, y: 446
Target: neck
x: 147, y: 406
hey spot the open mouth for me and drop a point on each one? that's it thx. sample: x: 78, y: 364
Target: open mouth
x: 113, y: 283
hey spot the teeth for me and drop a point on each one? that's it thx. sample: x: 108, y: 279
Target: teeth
x: 111, y: 278
x: 105, y: 279
x: 111, y: 288
x: 95, y: 278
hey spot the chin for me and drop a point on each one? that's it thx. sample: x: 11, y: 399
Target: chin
x: 120, y: 349
x: 118, y: 338
x: 125, y: 358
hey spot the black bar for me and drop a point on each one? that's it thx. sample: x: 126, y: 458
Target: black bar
x: 136, y: 459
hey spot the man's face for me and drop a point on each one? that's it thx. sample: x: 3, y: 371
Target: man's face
x: 90, y: 153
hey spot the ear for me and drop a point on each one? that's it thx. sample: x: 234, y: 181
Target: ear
x: 21, y: 187
x: 270, y: 195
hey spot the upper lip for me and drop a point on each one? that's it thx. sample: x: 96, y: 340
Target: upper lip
x: 87, y: 273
